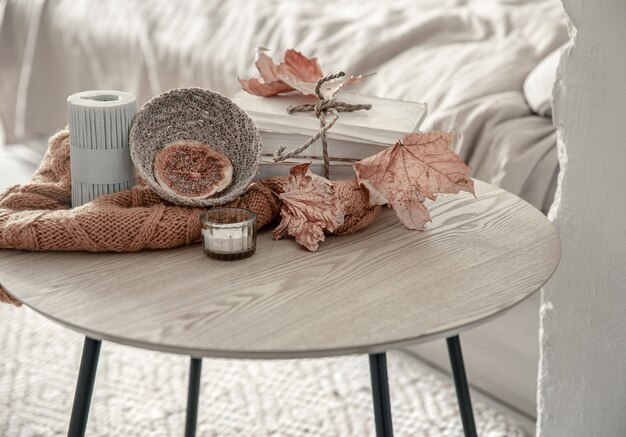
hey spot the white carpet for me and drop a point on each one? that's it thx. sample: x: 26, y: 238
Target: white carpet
x: 141, y: 393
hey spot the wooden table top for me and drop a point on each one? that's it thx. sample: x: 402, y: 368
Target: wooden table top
x: 380, y: 288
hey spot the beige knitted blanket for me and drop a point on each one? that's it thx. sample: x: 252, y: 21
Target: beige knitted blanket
x: 38, y: 216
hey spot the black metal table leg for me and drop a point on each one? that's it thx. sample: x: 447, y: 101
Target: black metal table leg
x: 193, y: 395
x: 84, y: 387
x: 462, y: 388
x: 380, y: 395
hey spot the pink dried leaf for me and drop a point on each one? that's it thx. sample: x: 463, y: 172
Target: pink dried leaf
x: 309, y: 208
x: 296, y: 67
x: 420, y: 166
x: 295, y: 73
x: 268, y: 69
x: 253, y: 86
x: 355, y: 80
x: 411, y: 211
x: 306, y: 88
x: 343, y: 82
x: 329, y: 89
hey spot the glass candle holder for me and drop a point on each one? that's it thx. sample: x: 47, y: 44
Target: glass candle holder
x: 228, y: 233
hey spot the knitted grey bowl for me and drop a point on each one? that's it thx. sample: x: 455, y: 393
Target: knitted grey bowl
x: 201, y: 115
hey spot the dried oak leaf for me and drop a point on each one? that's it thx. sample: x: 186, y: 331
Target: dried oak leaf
x: 296, y: 67
x: 418, y: 167
x: 309, y: 207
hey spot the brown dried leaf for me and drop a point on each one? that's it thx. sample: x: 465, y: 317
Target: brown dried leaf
x: 308, y: 208
x: 421, y: 166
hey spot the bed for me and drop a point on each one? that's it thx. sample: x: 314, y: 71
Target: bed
x: 484, y: 67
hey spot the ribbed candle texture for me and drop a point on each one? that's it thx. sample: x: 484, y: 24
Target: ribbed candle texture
x: 100, y: 124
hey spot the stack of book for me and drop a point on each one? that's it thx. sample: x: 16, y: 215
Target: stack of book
x: 355, y: 136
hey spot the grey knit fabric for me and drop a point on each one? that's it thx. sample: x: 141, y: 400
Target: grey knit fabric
x: 201, y: 115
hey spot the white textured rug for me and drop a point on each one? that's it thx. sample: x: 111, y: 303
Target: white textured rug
x: 141, y: 393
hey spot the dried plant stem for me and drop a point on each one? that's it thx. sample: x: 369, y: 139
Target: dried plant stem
x: 324, y: 108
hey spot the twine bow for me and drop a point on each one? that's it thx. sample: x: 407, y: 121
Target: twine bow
x: 326, y: 107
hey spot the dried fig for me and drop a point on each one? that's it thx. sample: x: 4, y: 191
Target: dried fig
x: 192, y: 169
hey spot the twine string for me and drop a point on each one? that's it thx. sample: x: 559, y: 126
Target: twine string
x: 327, y: 110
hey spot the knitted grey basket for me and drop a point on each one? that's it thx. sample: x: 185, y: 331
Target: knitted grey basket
x: 201, y: 115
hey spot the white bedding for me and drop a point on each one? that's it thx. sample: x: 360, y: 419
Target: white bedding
x: 467, y: 59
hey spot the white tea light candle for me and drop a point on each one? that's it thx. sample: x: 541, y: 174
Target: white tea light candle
x: 228, y: 233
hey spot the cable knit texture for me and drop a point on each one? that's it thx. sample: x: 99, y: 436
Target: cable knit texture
x: 38, y: 216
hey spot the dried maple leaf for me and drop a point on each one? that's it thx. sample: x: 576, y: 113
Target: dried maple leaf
x: 296, y: 73
x: 329, y: 88
x: 296, y: 67
x: 418, y: 167
x: 308, y: 208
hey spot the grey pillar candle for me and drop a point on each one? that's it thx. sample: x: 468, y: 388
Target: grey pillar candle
x: 100, y: 123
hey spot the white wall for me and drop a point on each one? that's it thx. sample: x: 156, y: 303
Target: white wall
x: 582, y: 382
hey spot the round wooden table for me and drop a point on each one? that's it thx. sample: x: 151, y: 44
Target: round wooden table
x: 378, y: 289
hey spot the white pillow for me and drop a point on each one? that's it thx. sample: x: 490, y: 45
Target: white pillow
x: 539, y: 82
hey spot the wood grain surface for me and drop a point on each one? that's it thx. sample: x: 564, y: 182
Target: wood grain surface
x: 380, y: 288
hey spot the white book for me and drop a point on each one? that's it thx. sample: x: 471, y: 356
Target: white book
x: 355, y: 136
x: 387, y: 122
x: 337, y: 148
x: 338, y: 169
